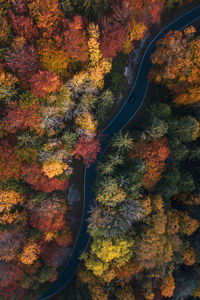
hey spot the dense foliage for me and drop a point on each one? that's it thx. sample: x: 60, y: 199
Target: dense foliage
x: 145, y: 222
x: 55, y: 58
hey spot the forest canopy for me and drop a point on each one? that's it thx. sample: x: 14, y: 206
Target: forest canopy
x: 61, y: 70
x: 145, y: 221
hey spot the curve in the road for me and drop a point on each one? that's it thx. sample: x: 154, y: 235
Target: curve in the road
x: 125, y: 114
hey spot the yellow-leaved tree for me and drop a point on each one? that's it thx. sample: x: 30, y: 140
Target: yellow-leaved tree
x: 29, y: 253
x: 98, y: 66
x: 106, y: 253
x: 9, y: 199
x: 168, y: 286
x: 86, y: 122
x: 54, y: 168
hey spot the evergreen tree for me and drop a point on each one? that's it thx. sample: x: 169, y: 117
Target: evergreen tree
x: 122, y: 142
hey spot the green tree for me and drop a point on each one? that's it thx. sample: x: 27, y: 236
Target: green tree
x: 125, y: 292
x: 94, y: 8
x: 122, y: 142
x: 7, y: 93
x: 179, y: 151
x: 109, y: 192
x: 105, y: 103
x: 194, y: 152
x: 28, y: 138
x: 158, y: 128
x: 171, y: 3
x: 186, y: 182
x: 63, y: 101
x: 106, y: 168
x: 69, y: 138
x: 89, y: 101
x: 186, y: 129
x: 67, y: 6
x: 46, y: 274
x: 160, y: 110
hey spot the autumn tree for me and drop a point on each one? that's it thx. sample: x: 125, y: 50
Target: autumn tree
x: 99, y: 66
x: 188, y: 225
x: 47, y: 15
x: 33, y: 175
x: 154, y: 249
x: 23, y: 27
x: 29, y: 253
x: 22, y: 59
x: 53, y: 255
x: 152, y: 12
x: 10, y: 164
x: 8, y: 90
x: 44, y: 83
x: 168, y: 286
x: 86, y: 123
x: 172, y: 221
x: 19, y: 118
x: 10, y: 276
x: 109, y: 193
x: 52, y: 58
x: 11, y: 242
x: 155, y: 153
x: 73, y: 38
x: 19, y: 6
x: 113, y: 37
x: 188, y: 198
x: 27, y: 147
x: 125, y: 292
x: 10, y: 200
x: 49, y: 215
x: 108, y: 251
x: 136, y: 31
x: 54, y: 168
x: 182, y: 77
x: 189, y: 257
x: 5, y: 33
x: 115, y: 28
x: 87, y: 148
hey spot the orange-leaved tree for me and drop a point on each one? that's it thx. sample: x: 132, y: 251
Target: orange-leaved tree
x: 154, y: 153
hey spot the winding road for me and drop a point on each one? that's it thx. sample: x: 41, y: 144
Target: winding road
x: 125, y: 114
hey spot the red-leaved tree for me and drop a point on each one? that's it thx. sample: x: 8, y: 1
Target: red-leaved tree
x: 151, y: 12
x: 154, y: 153
x: 48, y: 216
x: 73, y: 38
x: 22, y: 59
x: 23, y: 26
x: 44, y: 83
x: 53, y: 255
x: 33, y: 175
x: 19, y: 6
x: 113, y: 37
x: 10, y: 276
x: 19, y: 118
x: 87, y: 148
x: 9, y: 163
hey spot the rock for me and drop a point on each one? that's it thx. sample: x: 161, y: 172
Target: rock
x: 133, y: 60
x: 75, y: 209
x: 73, y: 196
